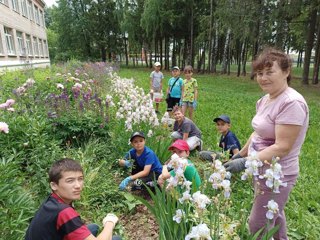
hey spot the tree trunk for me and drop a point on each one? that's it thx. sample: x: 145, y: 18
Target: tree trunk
x: 166, y: 53
x: 225, y: 53
x: 210, y: 36
x: 244, y: 57
x: 309, y: 46
x: 215, y: 50
x: 126, y: 51
x: 191, y: 60
x: 103, y: 54
x: 315, y: 78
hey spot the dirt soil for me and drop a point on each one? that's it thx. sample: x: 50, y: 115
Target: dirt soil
x: 141, y: 224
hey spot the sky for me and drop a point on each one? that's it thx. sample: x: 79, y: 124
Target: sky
x: 49, y: 3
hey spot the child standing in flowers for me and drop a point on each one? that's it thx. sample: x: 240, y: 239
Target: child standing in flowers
x: 280, y: 126
x: 156, y: 77
x: 190, y: 173
x: 174, y: 89
x: 189, y: 94
x: 146, y: 166
x: 228, y: 140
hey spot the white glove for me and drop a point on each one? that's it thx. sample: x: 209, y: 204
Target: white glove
x: 110, y: 218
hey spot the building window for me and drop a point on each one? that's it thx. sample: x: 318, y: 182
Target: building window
x: 40, y: 48
x: 30, y: 10
x: 28, y: 45
x: 9, y: 41
x: 21, y: 47
x: 15, y: 5
x: 35, y: 46
x: 41, y: 18
x: 45, y: 48
x: 5, y: 2
x: 24, y: 8
x: 1, y: 48
x: 36, y: 15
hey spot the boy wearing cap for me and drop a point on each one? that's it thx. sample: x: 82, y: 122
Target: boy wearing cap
x: 174, y: 89
x: 181, y: 148
x: 228, y: 140
x: 146, y: 166
x: 156, y: 77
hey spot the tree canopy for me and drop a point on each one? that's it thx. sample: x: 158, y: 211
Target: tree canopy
x: 203, y: 33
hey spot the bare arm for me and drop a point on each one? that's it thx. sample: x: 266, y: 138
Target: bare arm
x: 185, y: 136
x: 235, y: 151
x: 151, y: 83
x: 244, y: 151
x: 182, y: 92
x: 195, y: 94
x: 145, y: 172
x: 106, y: 233
x: 286, y: 136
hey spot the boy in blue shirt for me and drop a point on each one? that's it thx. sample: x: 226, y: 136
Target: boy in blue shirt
x: 146, y: 166
x: 174, y: 89
x: 228, y: 141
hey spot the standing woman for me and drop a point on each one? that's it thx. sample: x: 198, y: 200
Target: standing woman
x: 280, y: 126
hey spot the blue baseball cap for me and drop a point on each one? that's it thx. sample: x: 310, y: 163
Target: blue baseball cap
x: 223, y: 117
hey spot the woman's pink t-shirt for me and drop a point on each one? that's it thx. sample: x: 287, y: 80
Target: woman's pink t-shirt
x: 288, y: 108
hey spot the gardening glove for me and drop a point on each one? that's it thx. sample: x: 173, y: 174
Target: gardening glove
x: 236, y: 165
x: 127, y: 163
x: 194, y: 104
x: 236, y: 156
x: 125, y: 183
x: 110, y: 218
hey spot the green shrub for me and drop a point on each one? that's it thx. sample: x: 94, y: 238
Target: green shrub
x: 16, y: 203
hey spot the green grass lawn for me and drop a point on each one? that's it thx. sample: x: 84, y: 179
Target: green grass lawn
x: 236, y: 97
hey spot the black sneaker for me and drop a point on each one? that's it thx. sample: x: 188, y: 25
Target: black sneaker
x: 135, y: 188
x: 199, y: 147
x: 137, y: 185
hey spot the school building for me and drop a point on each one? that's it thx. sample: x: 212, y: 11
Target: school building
x: 23, y: 38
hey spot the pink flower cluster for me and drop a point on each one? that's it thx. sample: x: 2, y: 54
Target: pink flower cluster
x: 7, y: 105
x: 4, y: 127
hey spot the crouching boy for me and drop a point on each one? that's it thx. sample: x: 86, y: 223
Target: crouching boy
x: 57, y: 219
x: 181, y: 148
x: 146, y: 166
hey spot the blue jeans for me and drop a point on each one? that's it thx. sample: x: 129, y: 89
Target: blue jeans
x: 94, y: 229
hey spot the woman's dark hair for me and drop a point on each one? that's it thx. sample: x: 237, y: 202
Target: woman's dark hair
x: 63, y: 165
x: 270, y: 55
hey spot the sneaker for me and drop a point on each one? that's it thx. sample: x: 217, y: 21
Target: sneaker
x: 199, y: 147
x: 135, y: 188
x: 137, y: 185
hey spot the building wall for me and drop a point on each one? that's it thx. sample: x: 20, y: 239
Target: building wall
x: 23, y: 38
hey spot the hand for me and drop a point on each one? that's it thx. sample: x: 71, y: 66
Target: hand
x: 125, y: 183
x: 194, y: 104
x: 110, y: 218
x: 127, y: 163
x: 236, y: 165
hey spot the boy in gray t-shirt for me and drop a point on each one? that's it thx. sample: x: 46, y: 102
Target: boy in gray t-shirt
x: 185, y: 129
x: 156, y: 77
